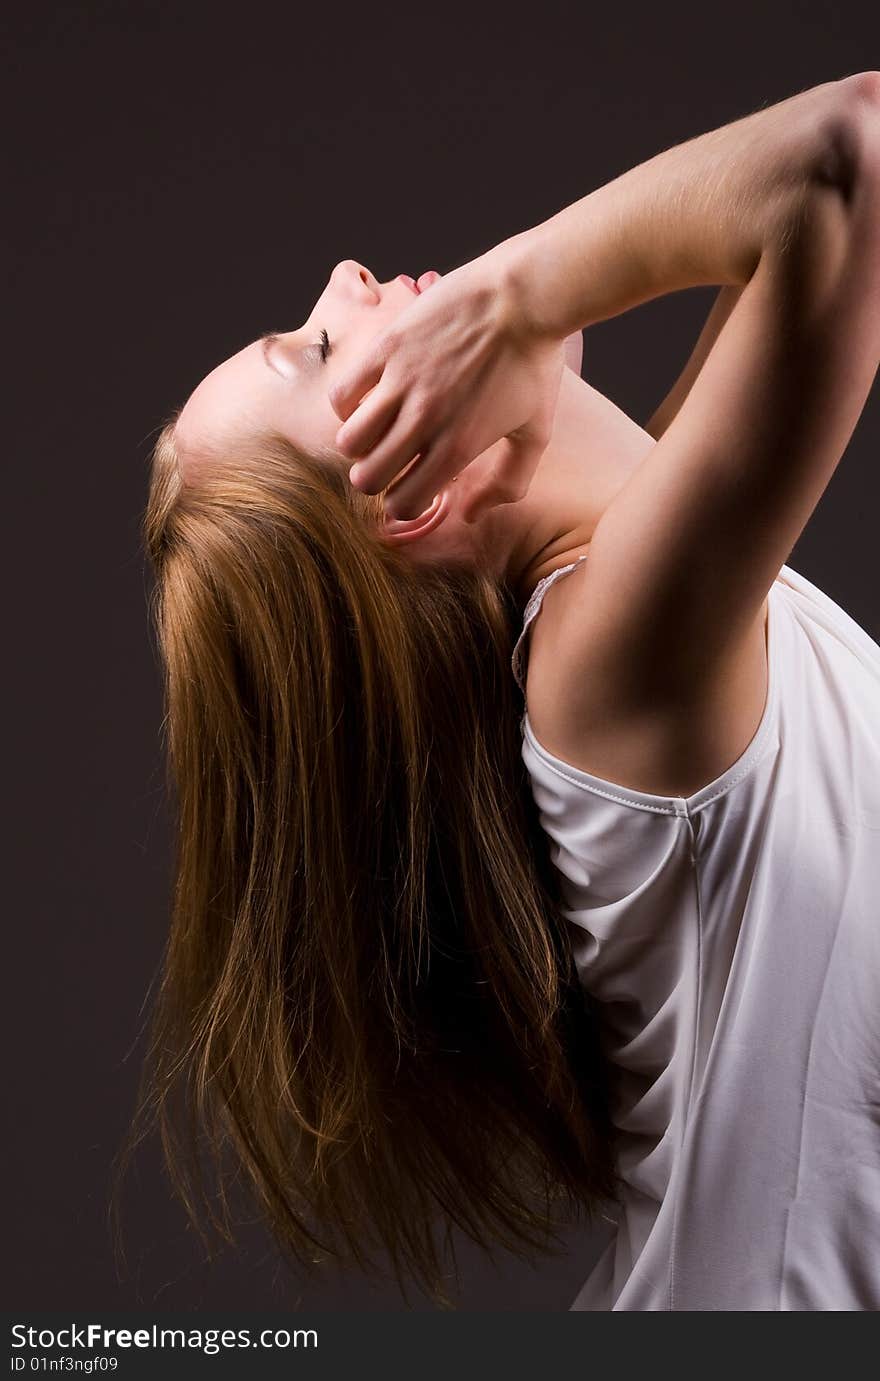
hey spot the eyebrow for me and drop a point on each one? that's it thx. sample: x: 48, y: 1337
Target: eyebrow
x: 269, y: 338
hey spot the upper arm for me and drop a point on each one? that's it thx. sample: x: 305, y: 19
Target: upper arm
x: 682, y: 559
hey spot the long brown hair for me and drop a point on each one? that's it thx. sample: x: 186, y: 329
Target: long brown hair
x: 367, y: 994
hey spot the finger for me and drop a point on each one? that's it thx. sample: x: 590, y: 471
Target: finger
x: 428, y: 473
x: 368, y: 424
x: 511, y: 476
x: 520, y: 454
x: 405, y: 437
x: 348, y: 391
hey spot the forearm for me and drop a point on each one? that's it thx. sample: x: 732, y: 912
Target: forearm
x: 723, y: 305
x: 574, y: 351
x: 699, y: 213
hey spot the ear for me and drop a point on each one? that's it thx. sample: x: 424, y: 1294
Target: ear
x: 411, y: 529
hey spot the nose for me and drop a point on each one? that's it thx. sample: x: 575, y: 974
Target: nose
x: 353, y: 278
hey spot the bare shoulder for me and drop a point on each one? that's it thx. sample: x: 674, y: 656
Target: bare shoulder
x: 670, y: 739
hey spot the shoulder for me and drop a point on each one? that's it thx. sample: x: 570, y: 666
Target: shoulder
x: 669, y: 740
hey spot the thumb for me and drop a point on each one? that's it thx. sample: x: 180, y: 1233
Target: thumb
x: 511, y: 475
x: 349, y: 391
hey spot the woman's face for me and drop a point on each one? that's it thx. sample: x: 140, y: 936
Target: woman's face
x: 281, y: 382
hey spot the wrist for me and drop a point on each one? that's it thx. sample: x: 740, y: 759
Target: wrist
x: 518, y: 269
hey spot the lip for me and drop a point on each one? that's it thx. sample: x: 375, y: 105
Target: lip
x: 408, y: 528
x: 408, y: 282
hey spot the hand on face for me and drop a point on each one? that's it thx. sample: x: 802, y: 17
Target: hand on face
x: 454, y: 374
x: 458, y: 391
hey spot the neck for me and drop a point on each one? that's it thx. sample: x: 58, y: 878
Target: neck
x: 593, y: 449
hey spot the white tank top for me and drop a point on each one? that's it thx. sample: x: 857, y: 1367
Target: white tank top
x: 732, y: 939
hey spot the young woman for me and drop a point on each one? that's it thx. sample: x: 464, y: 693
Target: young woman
x: 434, y: 963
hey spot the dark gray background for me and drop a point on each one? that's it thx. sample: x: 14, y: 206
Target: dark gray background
x: 181, y: 178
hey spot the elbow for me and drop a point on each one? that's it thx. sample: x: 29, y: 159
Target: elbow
x: 849, y: 149
x: 862, y: 91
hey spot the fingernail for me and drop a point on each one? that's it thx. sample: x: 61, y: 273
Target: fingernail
x: 354, y: 476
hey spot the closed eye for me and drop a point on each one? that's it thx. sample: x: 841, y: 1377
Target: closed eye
x: 325, y: 346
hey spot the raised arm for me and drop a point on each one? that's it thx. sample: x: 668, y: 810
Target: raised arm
x: 723, y: 305
x: 475, y: 359
x: 664, y: 652
x: 699, y: 213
